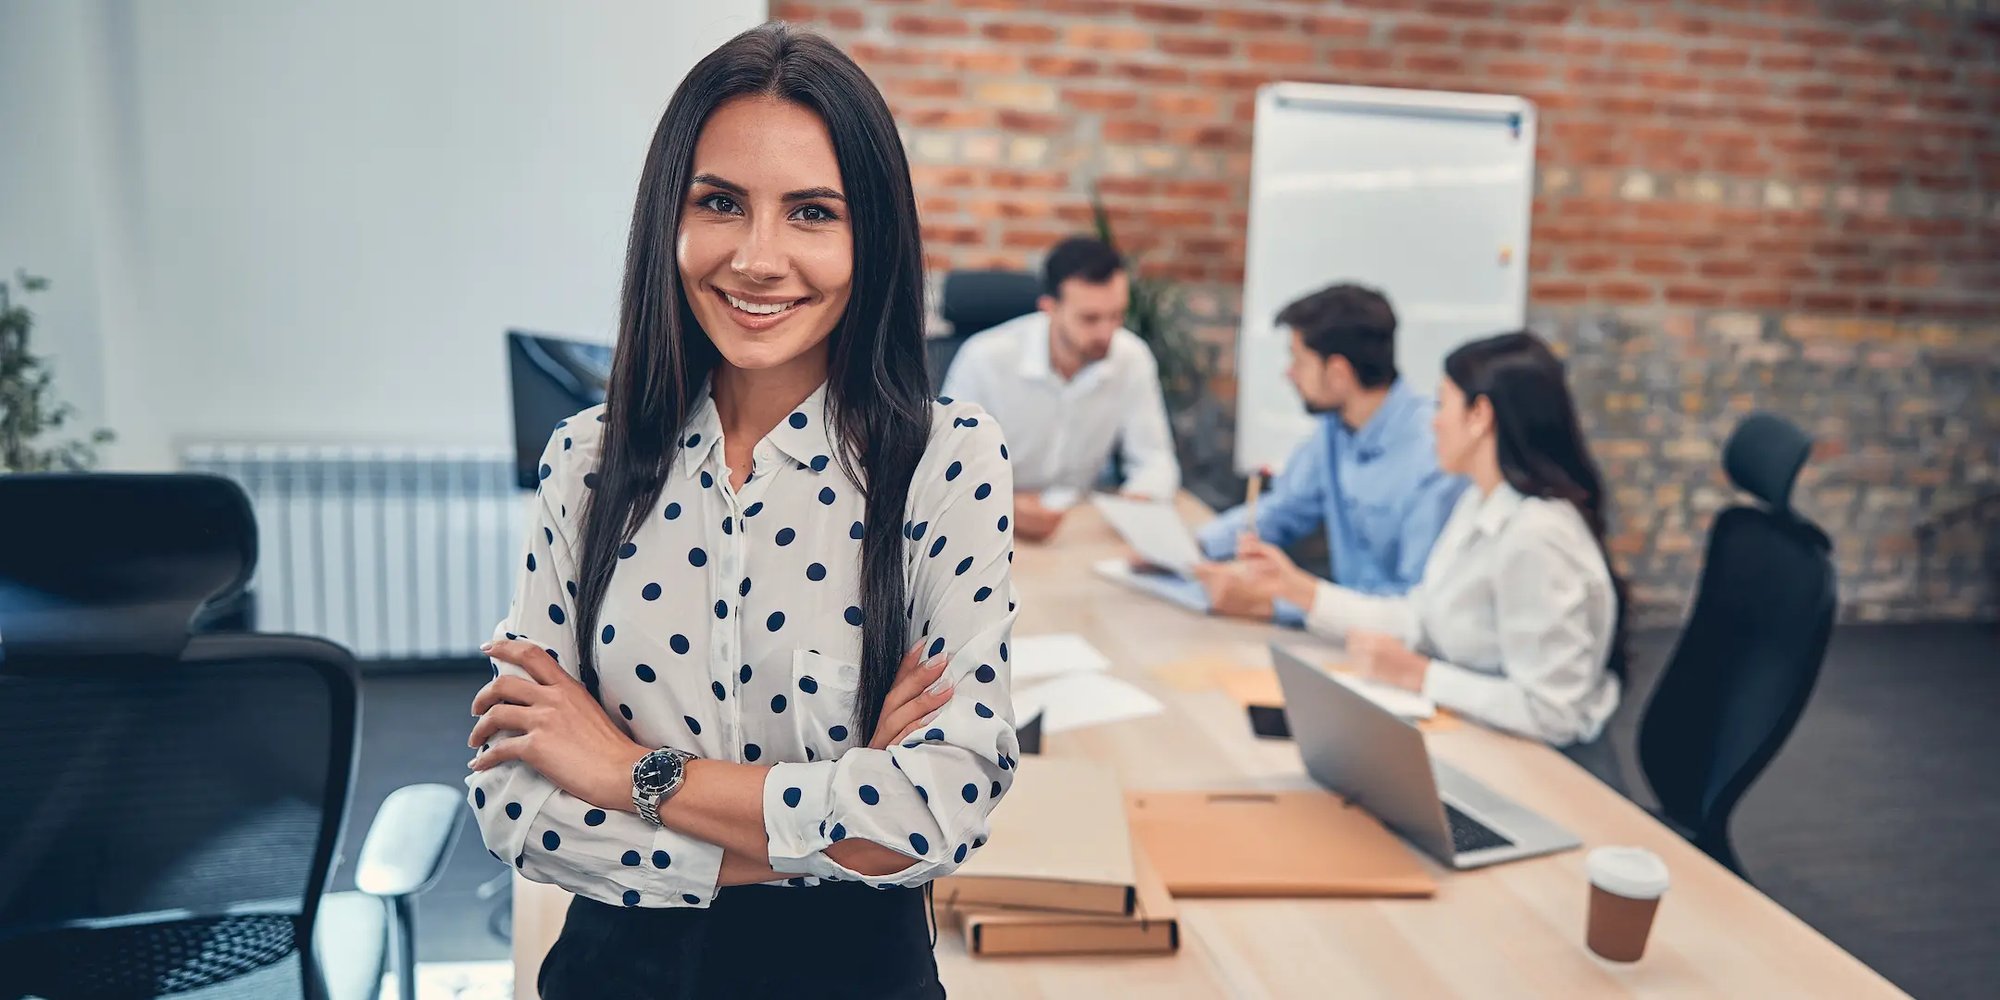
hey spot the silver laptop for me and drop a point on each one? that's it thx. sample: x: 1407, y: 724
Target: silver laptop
x: 1378, y: 761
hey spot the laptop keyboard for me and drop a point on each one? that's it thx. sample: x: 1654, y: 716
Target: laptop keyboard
x: 1468, y: 834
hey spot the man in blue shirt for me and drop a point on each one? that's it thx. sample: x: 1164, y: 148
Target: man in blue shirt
x: 1368, y: 473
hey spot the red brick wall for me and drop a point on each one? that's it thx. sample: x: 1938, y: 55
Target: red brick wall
x: 1780, y: 203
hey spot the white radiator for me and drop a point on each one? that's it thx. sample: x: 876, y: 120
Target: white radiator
x: 393, y: 553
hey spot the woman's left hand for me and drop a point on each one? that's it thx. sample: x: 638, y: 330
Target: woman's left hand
x: 556, y: 727
x: 1384, y: 658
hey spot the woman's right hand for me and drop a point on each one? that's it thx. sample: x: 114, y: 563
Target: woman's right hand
x: 911, y: 704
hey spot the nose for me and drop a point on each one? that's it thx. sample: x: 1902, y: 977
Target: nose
x: 760, y: 256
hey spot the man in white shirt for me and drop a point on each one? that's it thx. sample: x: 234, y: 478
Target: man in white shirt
x: 1068, y: 383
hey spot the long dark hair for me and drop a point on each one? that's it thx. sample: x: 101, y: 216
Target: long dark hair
x: 878, y: 393
x: 1543, y: 452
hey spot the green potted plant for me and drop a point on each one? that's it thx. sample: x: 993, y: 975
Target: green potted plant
x: 30, y: 414
x: 1203, y: 436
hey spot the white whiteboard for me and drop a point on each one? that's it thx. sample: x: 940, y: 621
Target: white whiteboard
x: 1423, y: 195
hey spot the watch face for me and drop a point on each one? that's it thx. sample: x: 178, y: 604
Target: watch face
x: 656, y: 772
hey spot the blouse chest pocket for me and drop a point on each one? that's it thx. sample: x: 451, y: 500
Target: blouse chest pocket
x: 824, y: 713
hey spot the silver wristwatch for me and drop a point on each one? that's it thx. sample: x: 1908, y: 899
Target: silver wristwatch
x: 655, y: 778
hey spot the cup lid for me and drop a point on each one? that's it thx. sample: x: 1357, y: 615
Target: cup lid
x: 1632, y: 872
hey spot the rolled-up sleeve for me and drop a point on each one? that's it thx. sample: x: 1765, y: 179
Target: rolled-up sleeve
x: 549, y: 835
x: 1336, y: 610
x: 929, y: 797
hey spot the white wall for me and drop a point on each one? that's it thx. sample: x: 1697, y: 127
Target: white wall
x: 315, y: 222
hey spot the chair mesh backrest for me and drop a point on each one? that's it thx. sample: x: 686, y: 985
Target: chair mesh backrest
x: 209, y: 785
x: 1744, y: 666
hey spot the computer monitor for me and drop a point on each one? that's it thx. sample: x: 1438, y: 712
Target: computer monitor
x: 552, y: 378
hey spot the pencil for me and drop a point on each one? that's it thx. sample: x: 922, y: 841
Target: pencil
x: 1250, y: 498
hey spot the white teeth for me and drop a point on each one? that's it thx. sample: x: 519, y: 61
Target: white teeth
x: 757, y: 309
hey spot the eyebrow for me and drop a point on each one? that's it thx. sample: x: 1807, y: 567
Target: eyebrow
x: 804, y: 194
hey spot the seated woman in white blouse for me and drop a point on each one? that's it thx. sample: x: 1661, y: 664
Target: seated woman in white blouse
x: 1516, y: 620
x: 752, y: 693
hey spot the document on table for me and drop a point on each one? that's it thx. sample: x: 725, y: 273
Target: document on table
x: 1040, y: 656
x: 1077, y: 700
x: 1154, y: 530
x: 1400, y: 702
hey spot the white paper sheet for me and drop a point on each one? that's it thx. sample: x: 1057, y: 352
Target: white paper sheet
x: 1085, y: 699
x: 1060, y: 497
x: 1040, y: 656
x: 1397, y: 701
x: 1154, y: 530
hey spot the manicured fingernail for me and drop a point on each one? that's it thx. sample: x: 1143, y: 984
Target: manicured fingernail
x: 486, y: 648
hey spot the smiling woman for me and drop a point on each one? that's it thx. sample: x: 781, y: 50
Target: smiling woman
x: 709, y: 717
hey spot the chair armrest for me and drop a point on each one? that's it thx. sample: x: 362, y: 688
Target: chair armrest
x: 409, y: 840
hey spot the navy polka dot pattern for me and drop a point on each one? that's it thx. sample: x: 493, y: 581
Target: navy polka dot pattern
x: 780, y: 656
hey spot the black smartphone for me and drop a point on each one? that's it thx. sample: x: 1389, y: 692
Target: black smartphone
x: 1269, y: 722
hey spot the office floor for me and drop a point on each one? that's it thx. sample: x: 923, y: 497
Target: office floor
x: 1874, y: 824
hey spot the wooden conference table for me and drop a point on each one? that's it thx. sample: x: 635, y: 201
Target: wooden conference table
x: 1511, y: 930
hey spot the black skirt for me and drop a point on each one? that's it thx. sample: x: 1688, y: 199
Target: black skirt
x: 835, y: 939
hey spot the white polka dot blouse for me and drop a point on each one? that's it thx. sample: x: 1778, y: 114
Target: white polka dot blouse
x: 732, y: 629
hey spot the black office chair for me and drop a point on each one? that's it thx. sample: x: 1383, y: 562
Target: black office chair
x: 1747, y: 659
x: 972, y: 301
x: 172, y: 803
